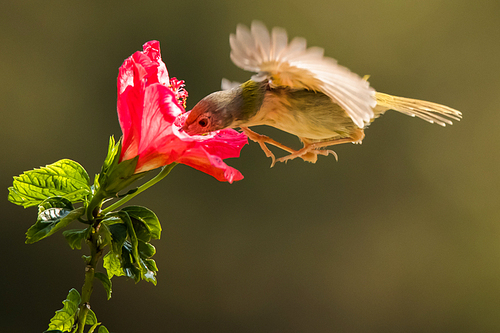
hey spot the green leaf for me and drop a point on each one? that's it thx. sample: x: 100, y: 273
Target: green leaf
x: 103, y: 329
x: 53, y: 215
x: 74, y: 237
x: 113, y: 156
x: 147, y: 217
x: 91, y: 329
x: 130, y: 251
x: 64, y: 178
x: 146, y: 250
x: 131, y: 235
x: 124, y: 264
x: 127, y: 258
x: 65, y: 318
x: 149, y: 270
x: 151, y: 264
x: 142, y: 270
x: 116, y: 175
x: 113, y: 265
x: 104, y: 236
x: 106, y: 282
x: 91, y: 318
x: 118, y: 233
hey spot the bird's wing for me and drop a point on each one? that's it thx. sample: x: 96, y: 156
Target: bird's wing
x: 296, y: 66
x: 226, y: 84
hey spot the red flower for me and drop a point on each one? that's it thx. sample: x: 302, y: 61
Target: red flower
x: 151, y: 113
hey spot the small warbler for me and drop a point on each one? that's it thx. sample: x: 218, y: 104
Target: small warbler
x: 300, y: 91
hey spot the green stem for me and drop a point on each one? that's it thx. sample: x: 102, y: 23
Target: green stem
x: 95, y: 255
x: 163, y: 173
x: 94, y: 204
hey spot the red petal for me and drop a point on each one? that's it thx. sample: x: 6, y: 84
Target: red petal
x: 213, y: 165
x: 151, y: 118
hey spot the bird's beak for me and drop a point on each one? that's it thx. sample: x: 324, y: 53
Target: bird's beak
x: 187, y: 127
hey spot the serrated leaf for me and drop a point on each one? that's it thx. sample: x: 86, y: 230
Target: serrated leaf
x: 74, y: 237
x: 55, y: 202
x: 128, y: 259
x: 64, y: 178
x: 106, y: 282
x: 142, y: 270
x: 118, y: 233
x: 65, y: 318
x: 103, y: 329
x: 124, y: 265
x: 146, y: 216
x: 91, y: 318
x: 113, y: 265
x: 53, y: 215
x: 130, y: 252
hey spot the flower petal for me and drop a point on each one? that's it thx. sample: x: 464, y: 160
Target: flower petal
x: 151, y: 117
x: 213, y: 165
x: 152, y: 50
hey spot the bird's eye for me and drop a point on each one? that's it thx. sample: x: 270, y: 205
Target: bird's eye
x: 203, y: 122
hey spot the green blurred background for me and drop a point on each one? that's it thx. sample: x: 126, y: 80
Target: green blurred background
x: 401, y: 235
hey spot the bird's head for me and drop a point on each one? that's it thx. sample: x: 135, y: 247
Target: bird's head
x: 212, y: 113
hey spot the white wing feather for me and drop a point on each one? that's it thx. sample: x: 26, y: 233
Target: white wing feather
x: 296, y: 66
x: 226, y: 84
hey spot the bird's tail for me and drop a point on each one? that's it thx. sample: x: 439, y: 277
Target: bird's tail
x: 431, y: 112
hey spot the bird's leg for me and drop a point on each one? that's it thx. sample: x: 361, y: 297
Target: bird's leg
x: 311, y: 150
x: 262, y: 140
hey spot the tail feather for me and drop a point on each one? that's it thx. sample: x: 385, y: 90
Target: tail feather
x: 431, y: 112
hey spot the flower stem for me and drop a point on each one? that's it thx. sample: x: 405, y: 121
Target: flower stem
x: 95, y: 255
x: 163, y: 173
x: 94, y: 204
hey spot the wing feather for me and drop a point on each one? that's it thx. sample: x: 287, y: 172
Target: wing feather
x: 279, y: 42
x: 298, y: 67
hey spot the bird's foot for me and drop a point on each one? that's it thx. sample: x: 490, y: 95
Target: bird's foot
x: 308, y: 154
x: 311, y: 150
x: 262, y: 140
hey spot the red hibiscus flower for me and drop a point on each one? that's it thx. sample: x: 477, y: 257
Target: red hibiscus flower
x: 151, y: 113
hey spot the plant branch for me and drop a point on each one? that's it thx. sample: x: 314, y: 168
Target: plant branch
x: 88, y: 285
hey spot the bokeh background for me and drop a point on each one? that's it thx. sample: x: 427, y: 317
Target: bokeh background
x: 402, y: 234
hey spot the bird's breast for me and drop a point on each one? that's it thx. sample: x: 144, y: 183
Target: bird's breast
x: 304, y: 113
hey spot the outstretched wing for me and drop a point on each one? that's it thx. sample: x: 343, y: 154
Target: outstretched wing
x: 296, y: 66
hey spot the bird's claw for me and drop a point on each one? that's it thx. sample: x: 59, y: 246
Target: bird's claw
x: 308, y: 154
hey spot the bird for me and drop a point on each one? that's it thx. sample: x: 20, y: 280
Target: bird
x: 298, y: 90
